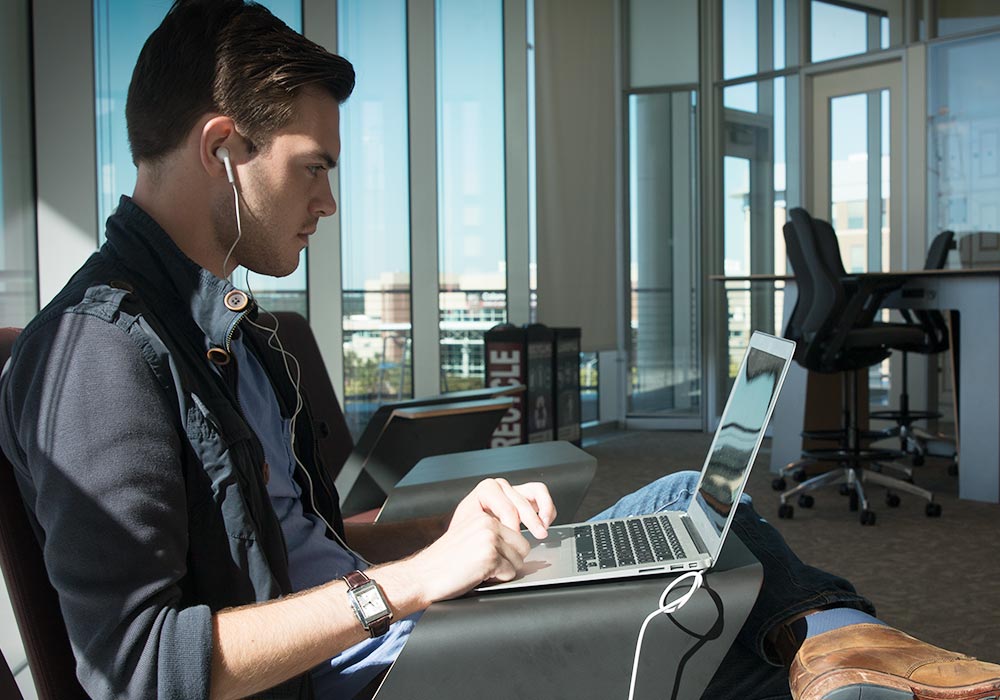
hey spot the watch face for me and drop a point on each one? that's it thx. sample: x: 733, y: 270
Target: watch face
x: 371, y: 602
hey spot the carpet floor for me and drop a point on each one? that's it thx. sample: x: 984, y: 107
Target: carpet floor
x: 935, y: 578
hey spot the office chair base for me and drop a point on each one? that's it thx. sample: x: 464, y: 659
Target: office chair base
x: 852, y: 482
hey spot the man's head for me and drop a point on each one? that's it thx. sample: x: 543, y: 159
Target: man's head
x: 227, y: 57
x: 223, y: 74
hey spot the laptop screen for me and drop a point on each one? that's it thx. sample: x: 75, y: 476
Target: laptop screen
x: 738, y: 436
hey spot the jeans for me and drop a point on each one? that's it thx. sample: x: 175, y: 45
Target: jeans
x: 790, y: 587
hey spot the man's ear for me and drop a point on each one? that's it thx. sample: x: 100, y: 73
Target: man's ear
x: 217, y: 133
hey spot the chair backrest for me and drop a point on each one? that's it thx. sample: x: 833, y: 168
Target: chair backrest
x: 8, y: 686
x: 826, y: 324
x: 36, y: 605
x: 803, y: 287
x: 828, y: 297
x: 937, y: 254
x: 332, y: 434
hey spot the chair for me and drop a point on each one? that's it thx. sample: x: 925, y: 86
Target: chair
x: 8, y: 686
x: 35, y: 602
x: 840, y: 335
x: 401, y: 436
x: 914, y: 441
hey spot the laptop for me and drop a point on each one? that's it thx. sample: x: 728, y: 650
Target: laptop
x: 672, y: 541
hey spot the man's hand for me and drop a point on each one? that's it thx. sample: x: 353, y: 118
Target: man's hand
x: 530, y: 504
x: 483, y: 540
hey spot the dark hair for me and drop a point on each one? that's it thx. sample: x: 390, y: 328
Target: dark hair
x: 224, y: 56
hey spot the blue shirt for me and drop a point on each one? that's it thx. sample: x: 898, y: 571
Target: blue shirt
x: 313, y: 558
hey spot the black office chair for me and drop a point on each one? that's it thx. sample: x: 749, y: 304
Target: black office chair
x: 914, y: 441
x: 840, y: 335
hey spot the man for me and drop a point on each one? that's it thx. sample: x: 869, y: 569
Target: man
x: 161, y: 447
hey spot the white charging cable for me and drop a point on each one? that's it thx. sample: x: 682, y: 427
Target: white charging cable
x: 664, y: 609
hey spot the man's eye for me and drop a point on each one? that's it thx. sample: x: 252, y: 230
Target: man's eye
x: 315, y: 169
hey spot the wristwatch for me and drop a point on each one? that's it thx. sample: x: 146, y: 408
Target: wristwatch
x: 369, y: 604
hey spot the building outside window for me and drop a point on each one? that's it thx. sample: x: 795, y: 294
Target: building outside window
x: 471, y: 189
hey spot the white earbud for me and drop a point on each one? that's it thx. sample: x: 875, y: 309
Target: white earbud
x: 222, y: 153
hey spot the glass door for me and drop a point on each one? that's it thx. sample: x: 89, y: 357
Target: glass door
x: 856, y: 183
x: 664, y: 388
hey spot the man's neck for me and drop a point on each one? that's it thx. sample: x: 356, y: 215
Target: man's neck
x: 176, y: 198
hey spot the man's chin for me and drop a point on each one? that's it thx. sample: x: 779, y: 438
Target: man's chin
x: 274, y: 268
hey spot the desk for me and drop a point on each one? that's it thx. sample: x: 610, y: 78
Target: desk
x: 574, y: 641
x: 975, y: 295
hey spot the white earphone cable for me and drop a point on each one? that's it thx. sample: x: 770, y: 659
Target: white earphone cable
x: 239, y: 229
x: 275, y: 344
x: 289, y: 360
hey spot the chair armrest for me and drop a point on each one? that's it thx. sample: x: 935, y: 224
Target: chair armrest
x: 453, y: 409
x: 861, y: 307
x: 436, y: 484
x: 575, y: 641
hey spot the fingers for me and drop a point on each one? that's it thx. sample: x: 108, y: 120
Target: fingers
x: 512, y: 548
x: 510, y: 506
x: 479, y: 549
x: 541, y: 500
x: 527, y: 510
x: 530, y: 504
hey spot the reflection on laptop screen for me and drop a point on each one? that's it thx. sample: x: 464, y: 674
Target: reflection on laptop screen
x: 742, y: 423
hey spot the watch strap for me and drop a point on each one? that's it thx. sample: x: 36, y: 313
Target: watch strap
x: 355, y: 579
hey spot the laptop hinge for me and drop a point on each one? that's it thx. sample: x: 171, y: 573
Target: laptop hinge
x: 695, y: 537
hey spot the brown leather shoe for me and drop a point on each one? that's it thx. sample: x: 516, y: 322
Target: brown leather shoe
x: 875, y: 662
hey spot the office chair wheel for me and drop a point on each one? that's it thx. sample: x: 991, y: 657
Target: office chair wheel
x: 800, y: 475
x: 953, y: 469
x: 892, y: 499
x: 779, y: 484
x: 785, y: 511
x: 845, y: 490
x: 933, y: 510
x: 867, y: 517
x: 854, y: 501
x: 806, y: 501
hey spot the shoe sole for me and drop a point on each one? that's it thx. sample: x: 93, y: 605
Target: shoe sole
x: 864, y: 691
x: 868, y: 692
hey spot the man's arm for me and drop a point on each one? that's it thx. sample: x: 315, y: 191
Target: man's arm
x: 97, y: 454
x: 259, y: 646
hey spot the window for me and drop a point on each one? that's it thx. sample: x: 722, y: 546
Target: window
x: 471, y: 191
x: 964, y: 136
x: 375, y: 209
x: 839, y: 31
x: 120, y: 29
x: 664, y: 367
x: 18, y: 266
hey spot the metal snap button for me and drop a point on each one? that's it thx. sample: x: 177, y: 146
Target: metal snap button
x: 237, y: 300
x: 218, y: 355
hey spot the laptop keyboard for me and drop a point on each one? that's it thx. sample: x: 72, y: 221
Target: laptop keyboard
x: 626, y: 543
